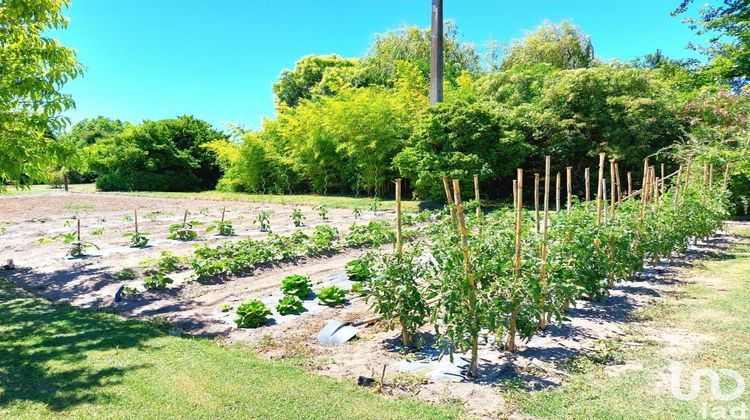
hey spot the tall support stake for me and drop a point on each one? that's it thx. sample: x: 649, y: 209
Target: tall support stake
x: 613, y: 188
x: 436, y: 53
x: 543, y: 268
x: 663, y: 188
x: 557, y: 192
x: 469, y: 278
x: 399, y: 234
x: 511, y: 344
x: 449, y: 197
x: 726, y: 175
x: 476, y: 197
x: 536, y: 201
x: 619, y: 184
x: 644, y: 184
x: 630, y: 184
x: 569, y: 176
x: 515, y: 193
x: 600, y: 190
x: 587, y: 175
x: 135, y: 219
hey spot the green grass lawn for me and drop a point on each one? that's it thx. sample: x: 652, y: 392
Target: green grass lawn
x: 59, y: 361
x: 719, y: 309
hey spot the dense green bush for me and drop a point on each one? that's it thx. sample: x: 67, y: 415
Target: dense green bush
x: 165, y: 155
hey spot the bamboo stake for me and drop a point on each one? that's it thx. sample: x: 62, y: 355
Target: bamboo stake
x: 135, y: 219
x: 543, y: 269
x: 536, y: 201
x: 449, y: 197
x: 613, y: 187
x: 726, y: 175
x: 710, y: 176
x: 184, y: 219
x: 630, y: 184
x: 587, y: 175
x: 469, y: 277
x: 476, y: 197
x: 661, y: 192
x: 569, y: 174
x: 511, y: 344
x: 619, y: 184
x: 399, y: 234
x: 600, y: 190
x: 223, y: 213
x: 515, y: 193
x: 78, y: 229
x: 557, y: 192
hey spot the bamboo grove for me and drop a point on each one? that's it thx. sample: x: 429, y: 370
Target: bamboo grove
x: 500, y: 277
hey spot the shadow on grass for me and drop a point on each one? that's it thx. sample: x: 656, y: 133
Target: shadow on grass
x: 43, y: 349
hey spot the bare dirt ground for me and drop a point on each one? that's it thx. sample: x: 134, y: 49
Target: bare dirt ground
x: 193, y: 308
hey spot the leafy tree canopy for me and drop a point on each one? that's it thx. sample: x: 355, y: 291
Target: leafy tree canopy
x: 563, y: 46
x: 33, y: 69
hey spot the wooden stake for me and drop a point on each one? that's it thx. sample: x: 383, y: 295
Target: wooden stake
x: 511, y: 344
x: 399, y: 235
x: 661, y: 192
x: 536, y: 200
x: 630, y: 184
x: 557, y: 192
x: 587, y: 175
x: 726, y: 175
x: 78, y: 229
x: 600, y: 190
x: 135, y: 219
x: 476, y: 197
x: 449, y: 197
x: 613, y: 188
x: 184, y: 219
x: 515, y: 193
x: 619, y: 184
x: 569, y: 175
x: 543, y: 270
x: 223, y: 213
x: 469, y: 277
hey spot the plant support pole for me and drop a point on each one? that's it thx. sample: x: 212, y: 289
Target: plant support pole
x: 511, y: 344
x: 569, y: 176
x: 600, y: 190
x: 536, y: 201
x: 399, y: 234
x: 449, y: 197
x: 543, y: 268
x: 557, y: 192
x: 587, y: 175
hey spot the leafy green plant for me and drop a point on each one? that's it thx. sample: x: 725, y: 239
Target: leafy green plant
x: 97, y: 231
x: 359, y: 289
x: 290, y: 305
x: 297, y: 285
x: 183, y: 231
x: 357, y: 212
x: 157, y: 282
x: 225, y: 307
x: 264, y: 220
x: 298, y: 217
x: 374, y: 205
x: 252, y: 314
x: 125, y: 274
x: 359, y: 269
x: 332, y: 296
x: 129, y: 292
x: 78, y: 248
x: 323, y: 212
x: 137, y: 240
x: 222, y: 228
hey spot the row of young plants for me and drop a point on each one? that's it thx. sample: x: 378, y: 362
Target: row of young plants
x: 503, y: 275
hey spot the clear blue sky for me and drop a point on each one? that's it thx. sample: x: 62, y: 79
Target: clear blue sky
x: 217, y: 60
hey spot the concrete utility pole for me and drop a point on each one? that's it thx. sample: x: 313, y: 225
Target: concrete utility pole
x: 436, y: 53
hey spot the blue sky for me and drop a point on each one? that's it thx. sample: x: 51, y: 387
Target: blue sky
x: 217, y: 60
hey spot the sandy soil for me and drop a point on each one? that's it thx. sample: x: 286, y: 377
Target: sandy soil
x: 44, y: 269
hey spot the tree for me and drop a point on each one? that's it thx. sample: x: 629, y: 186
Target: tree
x: 165, y: 155
x: 459, y: 140
x: 728, y: 27
x: 562, y: 45
x: 87, y: 131
x: 297, y: 84
x: 33, y: 69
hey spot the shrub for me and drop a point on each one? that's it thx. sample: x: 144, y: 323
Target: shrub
x: 297, y: 285
x: 252, y: 314
x: 290, y: 305
x: 332, y: 296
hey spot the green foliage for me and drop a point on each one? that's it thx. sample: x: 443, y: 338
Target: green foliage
x: 183, y: 231
x: 359, y: 269
x: 563, y: 46
x: 297, y: 285
x: 125, y: 274
x: 34, y: 69
x: 301, y: 83
x: 298, y: 217
x: 252, y: 314
x: 460, y: 140
x: 165, y: 155
x: 137, y: 239
x: 323, y: 212
x: 157, y: 282
x: 332, y: 296
x: 290, y: 305
x: 222, y: 228
x: 359, y: 289
x: 78, y: 248
x: 264, y: 220
x: 357, y: 213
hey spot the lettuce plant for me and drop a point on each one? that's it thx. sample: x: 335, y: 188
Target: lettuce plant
x: 252, y: 314
x: 332, y: 296
x: 297, y: 285
x: 290, y: 305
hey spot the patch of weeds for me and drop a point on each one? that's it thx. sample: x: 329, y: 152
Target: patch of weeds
x: 125, y: 274
x: 127, y: 218
x: 129, y: 292
x: 97, y: 231
x: 79, y: 207
x: 653, y: 312
x: 160, y: 323
x: 225, y: 307
x: 408, y: 382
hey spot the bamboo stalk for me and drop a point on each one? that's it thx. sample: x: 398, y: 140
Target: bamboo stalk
x: 619, y: 184
x: 543, y: 269
x: 587, y: 175
x: 613, y: 187
x: 476, y: 197
x: 600, y: 190
x: 536, y: 201
x: 569, y: 175
x: 557, y: 192
x: 469, y: 277
x: 511, y: 344
x: 399, y: 233
x: 449, y: 197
